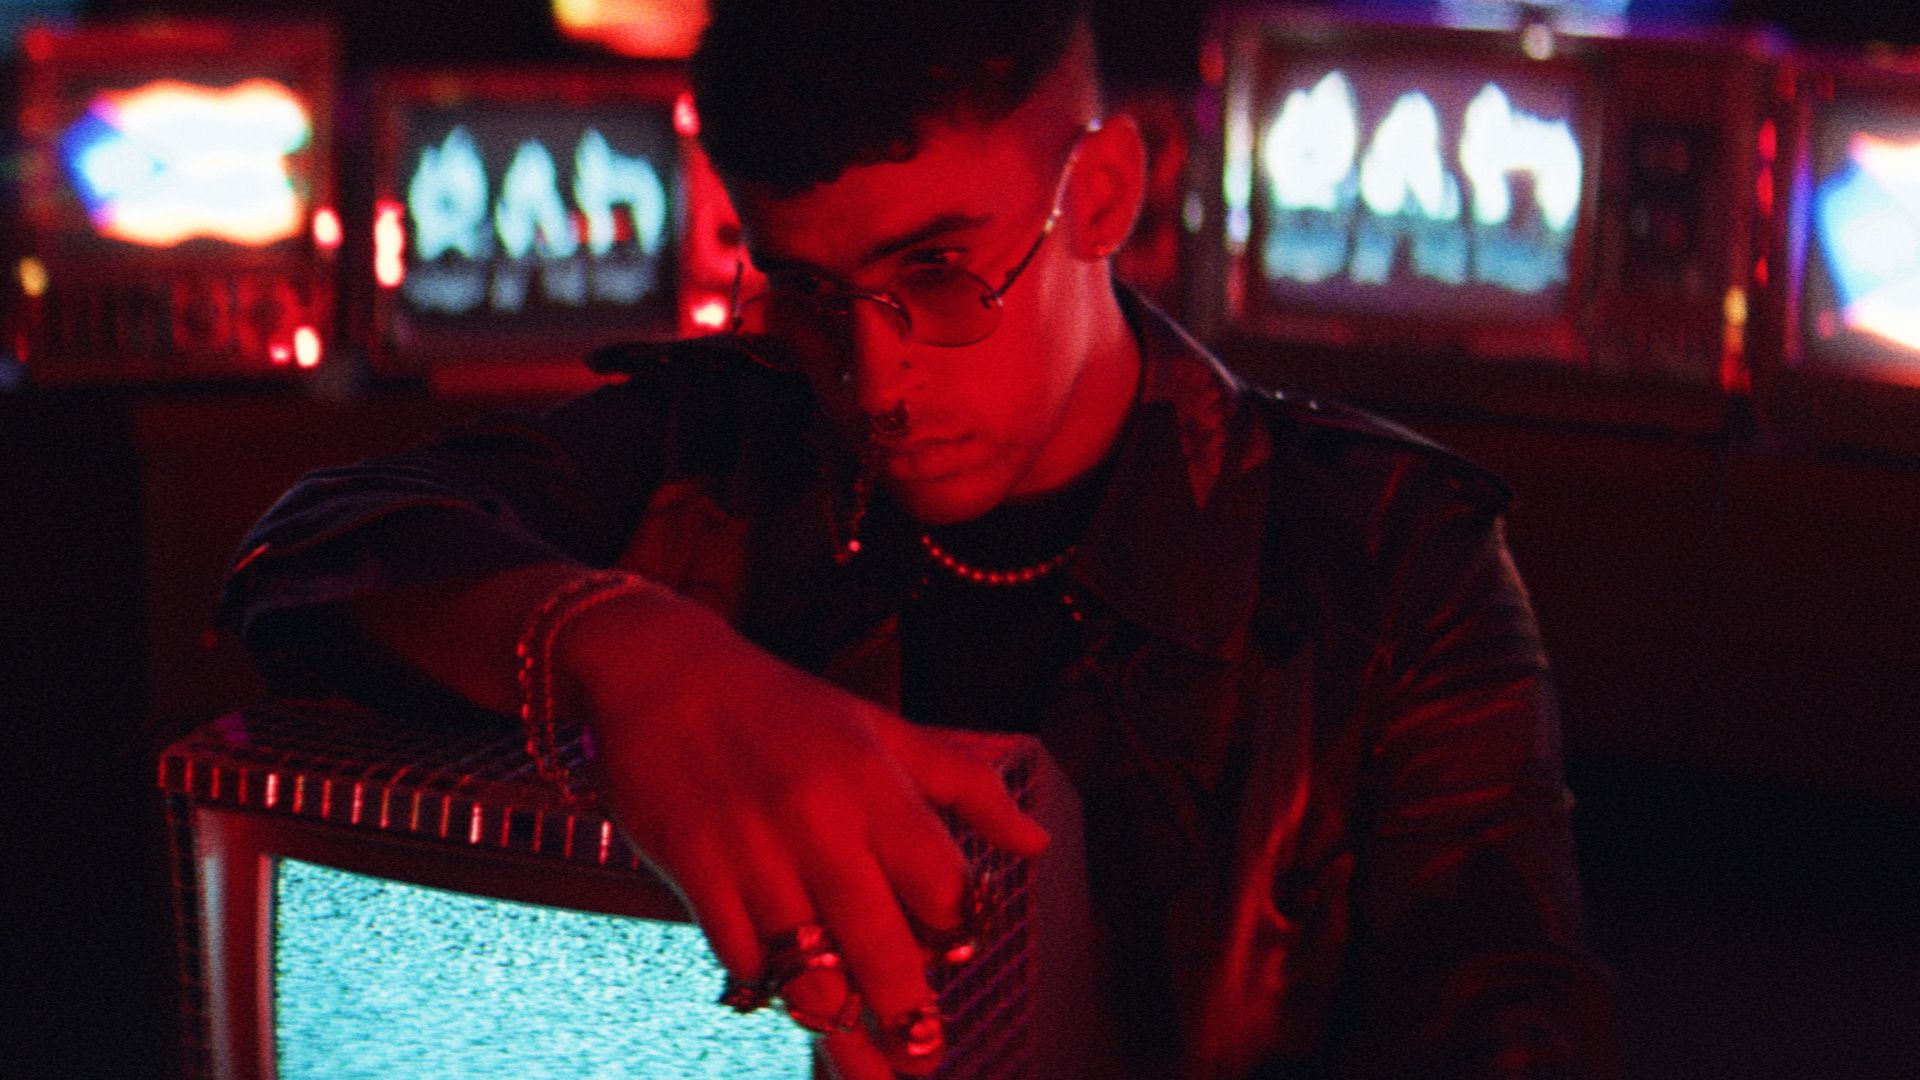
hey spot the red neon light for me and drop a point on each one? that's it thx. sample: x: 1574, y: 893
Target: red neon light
x: 1769, y: 141
x: 1763, y: 192
x: 326, y: 229
x: 1213, y: 64
x: 280, y: 353
x: 37, y: 43
x: 389, y: 244
x: 686, y: 119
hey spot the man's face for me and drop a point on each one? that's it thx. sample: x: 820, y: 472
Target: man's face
x: 995, y: 420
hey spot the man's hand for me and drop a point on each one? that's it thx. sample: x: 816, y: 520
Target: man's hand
x: 772, y: 799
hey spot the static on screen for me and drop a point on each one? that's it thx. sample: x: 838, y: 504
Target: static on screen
x: 379, y: 978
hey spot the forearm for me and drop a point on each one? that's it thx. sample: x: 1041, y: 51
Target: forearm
x: 461, y: 634
x: 467, y: 636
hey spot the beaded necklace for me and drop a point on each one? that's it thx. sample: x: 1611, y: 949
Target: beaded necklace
x: 966, y: 571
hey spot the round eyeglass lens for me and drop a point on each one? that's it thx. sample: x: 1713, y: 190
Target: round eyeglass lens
x: 946, y: 305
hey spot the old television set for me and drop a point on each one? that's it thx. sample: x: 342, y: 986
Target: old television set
x: 366, y: 895
x: 1513, y: 221
x: 1849, y: 376
x: 523, y: 218
x: 177, y: 199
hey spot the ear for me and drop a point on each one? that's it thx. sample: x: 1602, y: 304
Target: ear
x: 1108, y: 185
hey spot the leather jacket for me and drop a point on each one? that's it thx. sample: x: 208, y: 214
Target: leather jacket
x: 1308, y: 715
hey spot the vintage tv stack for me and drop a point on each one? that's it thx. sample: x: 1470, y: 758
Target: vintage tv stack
x: 177, y: 201
x: 369, y: 896
x: 524, y: 217
x: 1498, y: 220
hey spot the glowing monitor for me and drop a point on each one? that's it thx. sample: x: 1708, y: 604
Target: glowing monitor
x: 177, y: 187
x: 1862, y: 285
x: 365, y: 896
x: 1409, y: 191
x: 523, y: 219
x: 1404, y: 186
x: 378, y: 977
x: 1424, y: 216
x: 1848, y: 376
x: 167, y: 161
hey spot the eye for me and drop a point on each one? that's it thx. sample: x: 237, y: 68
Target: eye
x: 947, y: 256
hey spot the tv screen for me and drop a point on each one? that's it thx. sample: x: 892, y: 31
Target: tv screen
x: 524, y: 218
x: 1860, y: 295
x: 174, y: 144
x: 376, y: 977
x: 1428, y: 188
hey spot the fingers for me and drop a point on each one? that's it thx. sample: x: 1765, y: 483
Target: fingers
x: 970, y: 789
x: 822, y: 1002
x: 794, y: 957
x: 852, y: 1056
x: 926, y: 867
x: 707, y: 883
x: 884, y: 958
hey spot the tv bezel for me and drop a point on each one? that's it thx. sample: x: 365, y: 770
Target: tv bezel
x: 542, y: 357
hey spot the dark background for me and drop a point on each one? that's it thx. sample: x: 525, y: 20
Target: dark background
x: 1735, y: 625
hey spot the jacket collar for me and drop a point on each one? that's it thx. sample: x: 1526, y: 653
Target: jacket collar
x: 1175, y: 545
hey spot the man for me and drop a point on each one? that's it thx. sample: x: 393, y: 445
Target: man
x: 954, y: 473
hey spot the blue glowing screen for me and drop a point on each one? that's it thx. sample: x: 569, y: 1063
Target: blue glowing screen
x: 1864, y: 275
x: 518, y: 214
x: 379, y: 978
x: 1400, y: 190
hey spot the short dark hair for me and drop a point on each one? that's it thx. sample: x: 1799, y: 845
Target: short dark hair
x: 791, y: 93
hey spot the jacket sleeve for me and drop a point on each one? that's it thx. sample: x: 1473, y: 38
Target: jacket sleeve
x: 507, y: 491
x: 1468, y: 932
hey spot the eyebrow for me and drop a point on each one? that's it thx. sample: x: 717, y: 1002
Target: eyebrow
x: 944, y: 225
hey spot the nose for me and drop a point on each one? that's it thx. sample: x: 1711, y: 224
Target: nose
x: 880, y: 369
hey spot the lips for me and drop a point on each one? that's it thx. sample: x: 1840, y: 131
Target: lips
x: 930, y: 458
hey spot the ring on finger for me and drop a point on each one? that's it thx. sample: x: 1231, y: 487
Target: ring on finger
x: 979, y: 913
x: 788, y: 955
x: 847, y: 1019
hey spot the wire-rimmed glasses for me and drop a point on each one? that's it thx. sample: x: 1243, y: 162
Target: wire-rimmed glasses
x: 806, y: 327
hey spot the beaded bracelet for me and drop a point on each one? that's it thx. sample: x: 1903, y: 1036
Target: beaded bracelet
x: 533, y: 669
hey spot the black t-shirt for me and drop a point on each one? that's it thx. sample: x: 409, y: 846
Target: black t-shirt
x: 984, y: 656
